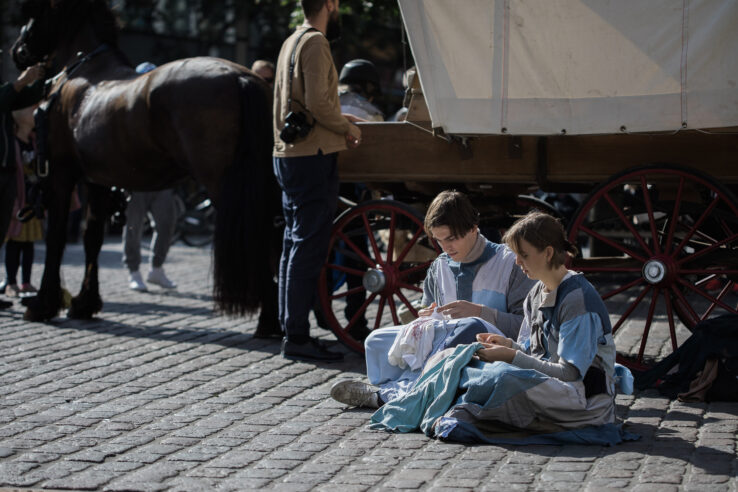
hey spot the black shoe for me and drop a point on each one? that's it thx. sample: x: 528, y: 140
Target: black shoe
x: 359, y: 332
x: 5, y: 304
x: 273, y: 335
x: 312, y: 350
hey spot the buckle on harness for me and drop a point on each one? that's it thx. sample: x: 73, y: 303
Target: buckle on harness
x: 42, y: 167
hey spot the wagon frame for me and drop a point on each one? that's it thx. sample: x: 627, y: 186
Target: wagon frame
x: 658, y: 228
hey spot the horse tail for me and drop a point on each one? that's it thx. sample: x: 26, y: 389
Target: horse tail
x: 244, y: 225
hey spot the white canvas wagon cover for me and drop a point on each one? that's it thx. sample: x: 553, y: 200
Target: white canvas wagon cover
x: 540, y: 67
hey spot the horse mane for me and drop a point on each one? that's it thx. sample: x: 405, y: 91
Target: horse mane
x: 96, y: 13
x: 101, y: 18
x: 106, y: 26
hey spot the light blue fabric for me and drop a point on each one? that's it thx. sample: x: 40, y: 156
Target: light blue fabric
x: 487, y: 385
x: 394, y: 380
x: 624, y: 379
x: 572, y: 326
x: 431, y: 396
x: 490, y: 298
x: 464, y: 275
x: 451, y: 429
x: 576, y: 327
x: 490, y: 385
x: 578, y: 340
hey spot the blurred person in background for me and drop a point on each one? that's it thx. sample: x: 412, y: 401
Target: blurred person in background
x: 161, y: 206
x: 25, y: 91
x: 358, y: 86
x: 265, y: 70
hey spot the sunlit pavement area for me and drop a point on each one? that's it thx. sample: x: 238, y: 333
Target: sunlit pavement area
x: 158, y: 393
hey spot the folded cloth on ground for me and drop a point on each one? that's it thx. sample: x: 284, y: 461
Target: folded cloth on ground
x: 459, y: 397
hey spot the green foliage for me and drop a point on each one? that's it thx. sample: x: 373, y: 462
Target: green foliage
x: 371, y: 29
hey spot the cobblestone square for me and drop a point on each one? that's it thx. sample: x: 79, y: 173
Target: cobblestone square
x: 158, y: 393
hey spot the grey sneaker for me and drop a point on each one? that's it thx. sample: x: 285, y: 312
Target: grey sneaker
x: 355, y: 393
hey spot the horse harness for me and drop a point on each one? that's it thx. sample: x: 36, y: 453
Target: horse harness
x: 41, y: 115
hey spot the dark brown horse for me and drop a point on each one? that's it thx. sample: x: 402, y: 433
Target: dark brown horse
x: 204, y: 117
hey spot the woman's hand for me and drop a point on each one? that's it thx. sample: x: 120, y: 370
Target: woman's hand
x: 427, y: 311
x: 494, y: 339
x: 495, y: 353
x: 460, y: 309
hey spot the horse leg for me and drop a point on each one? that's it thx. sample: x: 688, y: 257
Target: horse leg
x: 88, y: 301
x: 57, y: 192
x: 268, y: 326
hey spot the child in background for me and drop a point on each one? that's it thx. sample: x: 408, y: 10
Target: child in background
x: 19, y: 250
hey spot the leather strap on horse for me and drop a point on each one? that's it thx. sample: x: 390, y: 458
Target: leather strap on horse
x: 41, y: 115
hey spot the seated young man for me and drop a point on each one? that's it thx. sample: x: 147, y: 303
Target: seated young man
x: 473, y: 278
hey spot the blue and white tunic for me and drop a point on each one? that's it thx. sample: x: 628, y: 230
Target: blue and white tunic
x: 492, y: 280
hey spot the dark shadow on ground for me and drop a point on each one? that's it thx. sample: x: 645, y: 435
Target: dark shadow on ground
x: 178, y: 331
x: 148, y: 308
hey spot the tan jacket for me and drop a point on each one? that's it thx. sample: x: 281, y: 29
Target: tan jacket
x: 315, y: 85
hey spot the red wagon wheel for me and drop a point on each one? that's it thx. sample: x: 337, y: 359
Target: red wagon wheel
x: 379, y: 253
x: 663, y: 240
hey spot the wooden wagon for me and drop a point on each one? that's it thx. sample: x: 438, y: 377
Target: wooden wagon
x: 634, y: 104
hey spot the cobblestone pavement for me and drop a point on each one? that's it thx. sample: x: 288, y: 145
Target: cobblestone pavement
x: 160, y: 394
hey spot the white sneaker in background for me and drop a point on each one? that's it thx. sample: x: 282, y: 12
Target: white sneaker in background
x: 136, y: 282
x: 158, y: 277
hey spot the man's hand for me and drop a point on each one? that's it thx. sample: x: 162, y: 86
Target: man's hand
x: 495, y: 353
x: 353, y: 137
x: 353, y: 118
x: 494, y: 339
x: 427, y: 311
x: 460, y: 309
x: 29, y: 76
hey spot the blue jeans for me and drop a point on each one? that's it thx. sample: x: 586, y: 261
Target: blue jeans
x: 309, y: 197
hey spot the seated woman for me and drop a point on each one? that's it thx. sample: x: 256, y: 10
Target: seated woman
x: 558, y: 376
x: 473, y: 277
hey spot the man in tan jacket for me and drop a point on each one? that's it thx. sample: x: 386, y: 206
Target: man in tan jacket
x: 306, y: 167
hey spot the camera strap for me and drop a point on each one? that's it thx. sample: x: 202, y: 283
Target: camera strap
x: 292, y: 68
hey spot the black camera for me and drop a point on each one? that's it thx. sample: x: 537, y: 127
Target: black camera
x: 296, y: 126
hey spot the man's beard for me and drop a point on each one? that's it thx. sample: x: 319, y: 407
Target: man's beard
x: 333, y: 30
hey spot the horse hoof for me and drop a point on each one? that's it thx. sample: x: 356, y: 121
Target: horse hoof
x: 84, y: 309
x: 37, y: 311
x: 77, y: 314
x: 36, y: 315
x: 73, y: 313
x: 29, y: 301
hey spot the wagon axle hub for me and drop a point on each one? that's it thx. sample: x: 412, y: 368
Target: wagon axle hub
x: 659, y: 269
x: 374, y: 280
x: 381, y: 278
